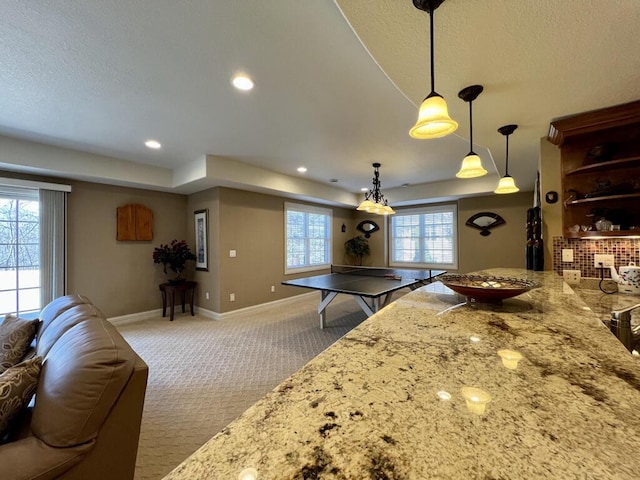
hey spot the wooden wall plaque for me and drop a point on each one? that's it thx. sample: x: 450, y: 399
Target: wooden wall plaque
x: 134, y: 222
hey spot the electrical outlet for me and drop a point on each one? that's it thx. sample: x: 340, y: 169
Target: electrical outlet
x: 206, y: 295
x: 232, y: 297
x: 572, y: 277
x: 567, y: 255
x: 233, y: 254
x: 606, y: 260
x: 273, y: 288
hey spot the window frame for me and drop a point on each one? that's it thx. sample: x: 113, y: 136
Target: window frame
x: 426, y: 209
x: 20, y: 194
x: 299, y: 207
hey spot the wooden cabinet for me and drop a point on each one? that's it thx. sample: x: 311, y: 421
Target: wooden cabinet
x: 600, y: 156
x: 135, y: 222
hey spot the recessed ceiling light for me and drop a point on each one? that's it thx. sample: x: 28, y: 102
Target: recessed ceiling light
x: 302, y: 169
x: 242, y: 82
x: 404, y: 185
x: 153, y: 144
x: 364, y: 189
x: 333, y: 180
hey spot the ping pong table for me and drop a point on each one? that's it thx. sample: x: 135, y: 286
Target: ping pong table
x: 367, y: 285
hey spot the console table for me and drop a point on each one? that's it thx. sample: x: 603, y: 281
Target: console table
x: 186, y: 290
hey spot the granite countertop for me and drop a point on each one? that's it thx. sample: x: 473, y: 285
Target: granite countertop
x: 369, y: 406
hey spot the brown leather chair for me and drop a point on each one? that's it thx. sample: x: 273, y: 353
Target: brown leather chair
x: 85, y: 421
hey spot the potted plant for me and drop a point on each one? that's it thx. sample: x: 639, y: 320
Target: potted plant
x: 175, y: 256
x: 357, y: 247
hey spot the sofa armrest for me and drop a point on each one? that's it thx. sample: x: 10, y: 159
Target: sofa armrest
x: 18, y: 459
x: 119, y: 435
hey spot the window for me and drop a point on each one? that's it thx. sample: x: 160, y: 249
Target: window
x: 425, y: 237
x: 307, y: 237
x: 19, y: 252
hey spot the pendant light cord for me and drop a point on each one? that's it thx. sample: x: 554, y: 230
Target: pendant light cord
x: 506, y: 167
x: 433, y: 88
x: 470, y: 127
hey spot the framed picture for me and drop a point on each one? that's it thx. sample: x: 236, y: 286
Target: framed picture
x: 201, y: 218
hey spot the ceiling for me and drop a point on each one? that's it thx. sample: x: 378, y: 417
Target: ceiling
x: 337, y: 88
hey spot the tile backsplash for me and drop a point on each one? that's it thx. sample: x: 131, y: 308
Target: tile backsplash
x: 623, y: 250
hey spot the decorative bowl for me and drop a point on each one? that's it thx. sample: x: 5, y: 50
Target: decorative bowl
x: 482, y: 288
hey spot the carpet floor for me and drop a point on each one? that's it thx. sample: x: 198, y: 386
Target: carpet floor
x: 204, y: 373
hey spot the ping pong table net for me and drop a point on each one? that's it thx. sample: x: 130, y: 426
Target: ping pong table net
x: 363, y: 271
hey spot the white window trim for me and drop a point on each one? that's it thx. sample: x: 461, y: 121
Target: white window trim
x: 449, y: 207
x: 307, y: 209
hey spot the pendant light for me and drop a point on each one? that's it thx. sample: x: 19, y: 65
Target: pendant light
x: 433, y: 115
x: 374, y: 201
x: 471, y: 164
x: 506, y: 184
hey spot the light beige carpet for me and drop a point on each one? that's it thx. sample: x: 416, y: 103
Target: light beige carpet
x: 204, y: 373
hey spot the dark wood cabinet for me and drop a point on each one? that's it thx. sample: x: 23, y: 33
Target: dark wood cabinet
x: 600, y: 156
x: 134, y: 222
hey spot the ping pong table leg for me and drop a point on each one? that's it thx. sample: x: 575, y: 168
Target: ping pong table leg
x: 366, y: 308
x: 325, y: 299
x: 387, y: 300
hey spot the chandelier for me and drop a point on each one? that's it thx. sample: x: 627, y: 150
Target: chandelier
x: 374, y: 201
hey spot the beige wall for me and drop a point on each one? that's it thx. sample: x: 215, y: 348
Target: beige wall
x: 550, y: 180
x: 252, y: 224
x: 121, y: 278
x: 506, y: 246
x: 118, y: 276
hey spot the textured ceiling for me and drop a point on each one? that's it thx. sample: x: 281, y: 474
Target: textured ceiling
x: 103, y: 76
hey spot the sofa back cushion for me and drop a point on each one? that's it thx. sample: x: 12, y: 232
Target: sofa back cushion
x: 54, y: 308
x: 82, y: 376
x: 63, y: 322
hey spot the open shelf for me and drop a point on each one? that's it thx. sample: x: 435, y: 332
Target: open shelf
x: 595, y: 233
x: 604, y: 198
x: 611, y: 164
x: 577, y: 136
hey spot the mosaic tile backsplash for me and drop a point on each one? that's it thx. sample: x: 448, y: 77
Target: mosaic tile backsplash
x: 624, y: 251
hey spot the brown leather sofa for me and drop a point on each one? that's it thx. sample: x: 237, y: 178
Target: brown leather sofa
x: 85, y: 420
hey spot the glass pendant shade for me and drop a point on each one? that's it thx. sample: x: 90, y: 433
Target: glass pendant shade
x: 471, y: 167
x: 506, y: 185
x: 433, y: 119
x: 365, y: 206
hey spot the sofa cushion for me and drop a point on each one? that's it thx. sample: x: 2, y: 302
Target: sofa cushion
x: 17, y: 386
x: 61, y: 304
x: 82, y: 376
x: 16, y: 335
x: 63, y: 322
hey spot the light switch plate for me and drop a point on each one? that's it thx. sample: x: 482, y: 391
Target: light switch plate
x: 232, y: 253
x: 567, y: 255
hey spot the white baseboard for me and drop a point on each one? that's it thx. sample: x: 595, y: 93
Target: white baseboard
x: 254, y: 308
x: 203, y: 312
x: 134, y: 317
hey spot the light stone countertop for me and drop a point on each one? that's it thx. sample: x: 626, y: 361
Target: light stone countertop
x: 367, y: 407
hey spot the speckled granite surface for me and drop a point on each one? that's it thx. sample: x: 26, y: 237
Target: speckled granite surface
x: 367, y: 408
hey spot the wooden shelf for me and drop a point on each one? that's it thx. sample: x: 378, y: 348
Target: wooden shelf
x: 611, y: 164
x: 577, y: 135
x: 604, y: 198
x: 595, y: 233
